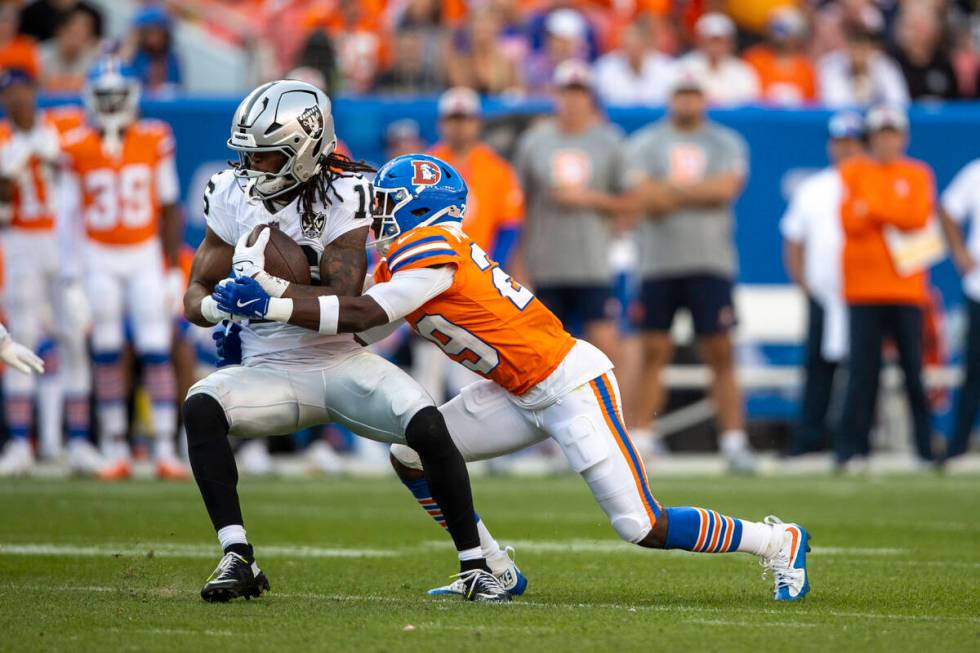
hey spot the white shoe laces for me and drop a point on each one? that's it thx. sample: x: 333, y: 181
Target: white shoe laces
x: 472, y: 576
x: 779, y: 564
x: 225, y: 565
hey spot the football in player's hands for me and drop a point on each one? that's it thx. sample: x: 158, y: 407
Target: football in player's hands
x: 280, y: 255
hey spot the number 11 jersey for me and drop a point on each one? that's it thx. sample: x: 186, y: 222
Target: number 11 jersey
x: 485, y: 320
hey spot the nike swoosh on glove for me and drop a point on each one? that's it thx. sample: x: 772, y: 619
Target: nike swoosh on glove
x: 244, y: 296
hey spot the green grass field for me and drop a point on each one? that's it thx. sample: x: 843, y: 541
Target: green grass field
x: 86, y: 566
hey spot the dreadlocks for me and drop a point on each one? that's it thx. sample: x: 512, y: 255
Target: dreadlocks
x: 333, y: 166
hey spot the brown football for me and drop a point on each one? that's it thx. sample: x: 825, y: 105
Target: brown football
x: 284, y: 258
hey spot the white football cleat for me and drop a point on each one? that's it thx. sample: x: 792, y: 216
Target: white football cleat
x: 254, y: 458
x: 502, y: 566
x: 84, y: 458
x: 322, y: 459
x: 788, y: 564
x: 17, y: 459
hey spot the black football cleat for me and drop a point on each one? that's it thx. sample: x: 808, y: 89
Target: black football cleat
x: 234, y: 577
x: 483, y: 587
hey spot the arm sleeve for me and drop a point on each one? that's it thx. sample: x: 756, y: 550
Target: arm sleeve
x: 911, y: 211
x: 168, y: 188
x: 409, y: 290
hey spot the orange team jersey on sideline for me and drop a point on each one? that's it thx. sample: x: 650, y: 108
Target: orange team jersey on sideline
x: 792, y: 81
x: 485, y: 320
x: 32, y: 206
x: 495, y: 197
x: 119, y: 193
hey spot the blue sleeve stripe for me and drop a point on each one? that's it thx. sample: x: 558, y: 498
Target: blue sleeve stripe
x: 418, y: 257
x: 421, y: 241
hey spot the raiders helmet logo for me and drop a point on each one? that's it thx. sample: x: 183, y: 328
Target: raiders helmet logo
x: 312, y: 122
x: 426, y: 173
x: 313, y: 226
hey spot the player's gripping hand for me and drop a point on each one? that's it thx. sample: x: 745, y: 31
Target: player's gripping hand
x: 249, y: 260
x: 228, y: 342
x: 244, y: 296
x: 18, y: 356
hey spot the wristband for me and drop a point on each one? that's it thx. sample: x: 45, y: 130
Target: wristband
x: 329, y: 314
x: 280, y: 309
x: 275, y: 286
x: 211, y: 312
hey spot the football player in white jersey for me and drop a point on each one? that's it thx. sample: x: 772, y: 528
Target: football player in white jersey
x: 292, y: 378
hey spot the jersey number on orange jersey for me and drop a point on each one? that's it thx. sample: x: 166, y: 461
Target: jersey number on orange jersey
x: 461, y: 345
x: 33, y: 194
x: 122, y: 198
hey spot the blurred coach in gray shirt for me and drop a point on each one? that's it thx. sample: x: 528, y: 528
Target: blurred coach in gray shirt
x: 571, y: 167
x: 685, y: 172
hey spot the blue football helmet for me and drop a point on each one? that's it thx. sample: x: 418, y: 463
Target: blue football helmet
x: 111, y: 94
x: 416, y: 190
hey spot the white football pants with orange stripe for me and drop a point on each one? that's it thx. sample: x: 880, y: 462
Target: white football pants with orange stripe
x: 587, y: 425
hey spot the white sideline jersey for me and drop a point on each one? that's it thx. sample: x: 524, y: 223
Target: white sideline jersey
x: 230, y: 214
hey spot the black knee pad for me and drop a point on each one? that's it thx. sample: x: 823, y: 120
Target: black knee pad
x: 204, y: 419
x: 427, y: 432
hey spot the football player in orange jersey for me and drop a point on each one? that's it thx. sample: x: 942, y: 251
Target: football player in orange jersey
x: 120, y: 186
x: 540, y: 382
x: 43, y: 294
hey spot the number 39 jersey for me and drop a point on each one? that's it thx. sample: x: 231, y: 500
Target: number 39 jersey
x: 230, y: 214
x: 121, y: 194
x: 485, y: 320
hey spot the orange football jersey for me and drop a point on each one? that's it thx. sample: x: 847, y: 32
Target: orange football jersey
x: 485, y: 321
x: 32, y: 205
x: 119, y: 193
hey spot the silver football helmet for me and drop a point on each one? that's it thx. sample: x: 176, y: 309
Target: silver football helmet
x: 286, y: 116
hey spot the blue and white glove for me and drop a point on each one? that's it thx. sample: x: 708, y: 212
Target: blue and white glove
x: 228, y: 342
x: 243, y: 296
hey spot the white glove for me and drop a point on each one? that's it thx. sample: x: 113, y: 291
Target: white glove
x: 45, y: 144
x: 173, y: 290
x: 78, y: 312
x: 18, y: 356
x: 249, y: 261
x: 15, y: 155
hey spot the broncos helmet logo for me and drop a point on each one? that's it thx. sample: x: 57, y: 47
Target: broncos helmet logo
x: 426, y: 173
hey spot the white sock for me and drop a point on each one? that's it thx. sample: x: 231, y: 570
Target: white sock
x: 470, y: 554
x: 164, y: 449
x: 234, y: 534
x: 488, y: 545
x: 733, y: 440
x: 757, y: 538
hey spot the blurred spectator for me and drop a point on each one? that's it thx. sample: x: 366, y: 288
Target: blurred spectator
x: 40, y: 19
x: 570, y: 167
x: 480, y: 60
x: 16, y: 50
x: 785, y: 72
x: 495, y: 204
x: 860, y: 73
x: 960, y: 204
x: 919, y: 51
x: 153, y: 57
x: 539, y: 30
x: 813, y: 238
x: 318, y: 54
x: 415, y: 67
x: 685, y: 173
x: 66, y: 59
x: 636, y: 73
x: 566, y: 31
x: 403, y: 137
x: 353, y: 31
x: 417, y: 13
x: 885, y: 194
x: 725, y: 78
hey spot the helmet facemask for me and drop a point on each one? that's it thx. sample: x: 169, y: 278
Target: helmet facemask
x: 112, y: 102
x: 385, y: 228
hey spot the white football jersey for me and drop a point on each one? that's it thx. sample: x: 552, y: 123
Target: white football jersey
x: 230, y: 214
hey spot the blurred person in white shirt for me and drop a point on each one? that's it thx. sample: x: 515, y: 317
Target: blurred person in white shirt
x: 961, y: 203
x: 860, y: 73
x: 726, y: 79
x: 635, y: 74
x: 813, y: 237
